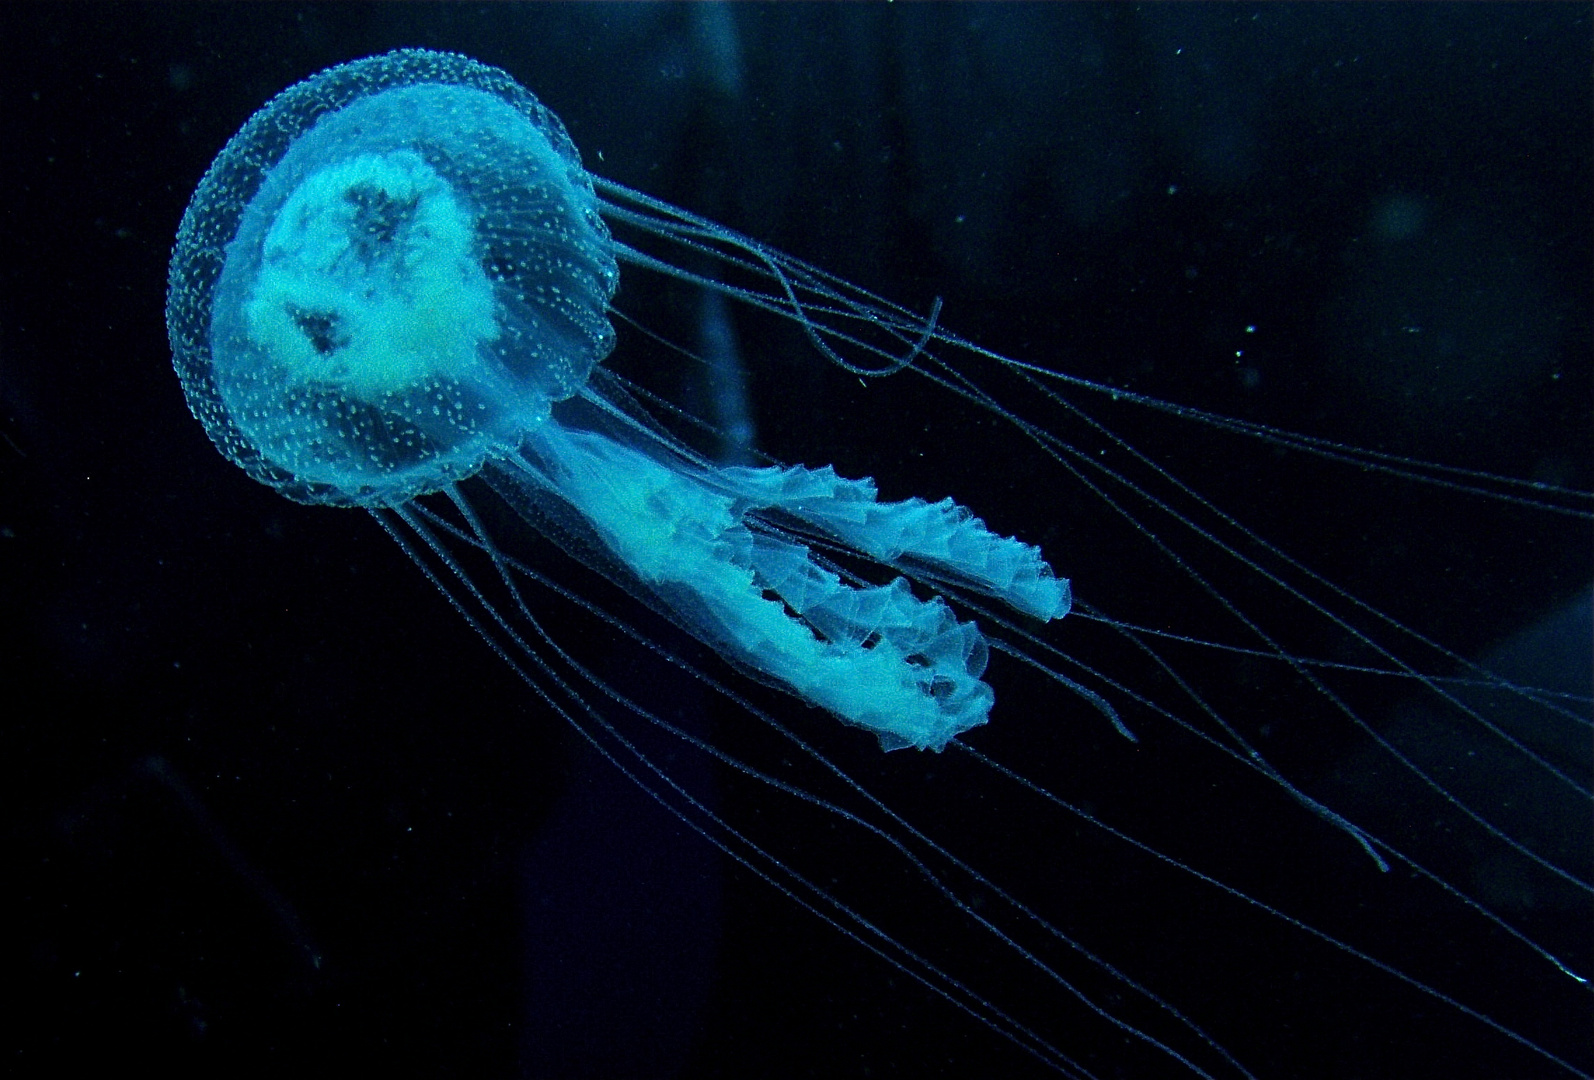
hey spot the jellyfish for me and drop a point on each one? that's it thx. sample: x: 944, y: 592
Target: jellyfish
x: 395, y: 290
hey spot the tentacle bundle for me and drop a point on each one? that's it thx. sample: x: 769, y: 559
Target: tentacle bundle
x: 707, y: 545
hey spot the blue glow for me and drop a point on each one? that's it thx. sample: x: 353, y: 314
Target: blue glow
x: 444, y: 360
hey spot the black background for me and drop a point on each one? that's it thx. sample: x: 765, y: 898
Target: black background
x: 273, y: 808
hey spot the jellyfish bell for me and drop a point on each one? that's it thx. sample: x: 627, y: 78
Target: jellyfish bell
x: 393, y: 290
x: 389, y: 275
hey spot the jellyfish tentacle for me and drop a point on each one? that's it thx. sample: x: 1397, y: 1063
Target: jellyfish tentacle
x: 875, y: 656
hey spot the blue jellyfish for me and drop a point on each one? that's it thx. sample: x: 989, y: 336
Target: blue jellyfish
x: 391, y: 306
x: 395, y: 290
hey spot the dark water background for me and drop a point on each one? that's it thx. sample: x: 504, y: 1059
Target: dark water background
x: 274, y: 810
